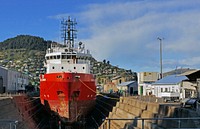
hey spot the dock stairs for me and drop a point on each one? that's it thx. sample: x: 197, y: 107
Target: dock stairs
x: 135, y: 113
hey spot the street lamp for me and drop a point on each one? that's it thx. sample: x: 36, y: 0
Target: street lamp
x: 160, y: 39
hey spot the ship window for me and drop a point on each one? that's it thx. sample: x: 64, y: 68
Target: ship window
x: 54, y: 57
x: 58, y: 56
x: 51, y: 57
x: 74, y: 67
x: 64, y: 57
x: 62, y: 68
x: 59, y: 76
x: 53, y: 67
x: 83, y: 67
x: 47, y: 57
x: 68, y: 57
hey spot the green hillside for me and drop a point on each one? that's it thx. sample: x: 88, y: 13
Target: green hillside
x: 25, y: 53
x: 25, y: 42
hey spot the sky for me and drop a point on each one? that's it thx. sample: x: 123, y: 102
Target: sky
x: 123, y: 32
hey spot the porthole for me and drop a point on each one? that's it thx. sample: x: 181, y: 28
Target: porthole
x: 62, y: 67
x: 74, y: 67
x: 53, y: 67
x: 83, y: 67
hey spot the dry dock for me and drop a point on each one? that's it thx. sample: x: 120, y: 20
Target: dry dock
x: 110, y: 112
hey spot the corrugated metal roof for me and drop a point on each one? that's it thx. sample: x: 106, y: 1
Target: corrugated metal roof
x: 171, y: 79
x: 126, y: 83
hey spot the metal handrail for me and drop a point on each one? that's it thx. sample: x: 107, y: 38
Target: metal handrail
x: 143, y: 119
x: 198, y: 108
x: 10, y: 122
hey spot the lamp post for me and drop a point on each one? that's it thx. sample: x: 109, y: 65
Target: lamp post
x: 160, y: 39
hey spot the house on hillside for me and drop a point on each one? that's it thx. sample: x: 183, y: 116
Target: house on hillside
x: 109, y: 87
x: 118, y: 79
x: 130, y: 87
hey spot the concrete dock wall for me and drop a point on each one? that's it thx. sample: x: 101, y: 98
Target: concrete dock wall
x: 21, y: 112
x: 137, y: 109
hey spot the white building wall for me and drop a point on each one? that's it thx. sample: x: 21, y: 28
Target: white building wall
x: 158, y: 89
x: 144, y: 82
x: 13, y: 80
x: 4, y: 74
x: 146, y: 89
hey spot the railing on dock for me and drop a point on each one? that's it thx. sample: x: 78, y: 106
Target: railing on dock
x: 178, y: 123
x: 8, y: 124
x: 198, y: 108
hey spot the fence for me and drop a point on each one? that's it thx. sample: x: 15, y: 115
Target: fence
x: 179, y: 124
x: 8, y: 124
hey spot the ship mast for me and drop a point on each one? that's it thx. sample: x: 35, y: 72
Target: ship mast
x: 68, y: 32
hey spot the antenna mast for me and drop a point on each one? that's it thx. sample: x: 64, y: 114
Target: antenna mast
x: 68, y: 32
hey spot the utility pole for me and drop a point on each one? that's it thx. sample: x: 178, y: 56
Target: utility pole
x: 160, y: 39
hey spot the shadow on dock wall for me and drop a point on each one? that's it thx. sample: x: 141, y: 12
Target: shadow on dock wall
x: 23, y: 112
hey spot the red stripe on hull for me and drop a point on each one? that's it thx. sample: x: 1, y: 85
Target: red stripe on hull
x: 70, y: 95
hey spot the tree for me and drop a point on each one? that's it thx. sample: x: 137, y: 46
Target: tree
x: 104, y: 61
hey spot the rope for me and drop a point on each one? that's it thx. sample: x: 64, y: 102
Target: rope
x: 30, y: 117
x: 29, y: 101
x: 95, y: 91
x: 49, y: 87
x: 87, y: 86
x: 108, y: 97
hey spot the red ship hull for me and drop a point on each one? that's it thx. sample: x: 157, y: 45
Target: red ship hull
x: 69, y: 95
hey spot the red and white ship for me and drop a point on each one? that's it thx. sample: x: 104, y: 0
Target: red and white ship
x: 68, y: 88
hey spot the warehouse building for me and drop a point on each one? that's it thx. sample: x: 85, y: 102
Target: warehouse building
x: 12, y: 81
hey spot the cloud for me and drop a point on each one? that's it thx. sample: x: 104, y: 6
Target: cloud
x: 126, y: 33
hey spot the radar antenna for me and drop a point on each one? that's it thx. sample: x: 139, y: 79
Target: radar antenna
x: 68, y: 32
